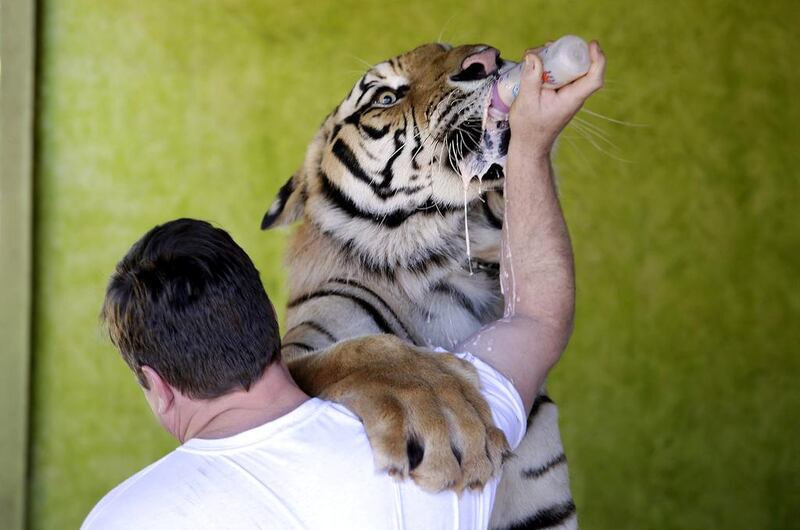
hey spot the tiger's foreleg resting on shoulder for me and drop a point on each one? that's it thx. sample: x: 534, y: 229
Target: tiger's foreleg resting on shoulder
x: 416, y: 407
x: 381, y: 249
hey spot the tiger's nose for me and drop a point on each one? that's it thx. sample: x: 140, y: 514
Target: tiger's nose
x: 483, y: 62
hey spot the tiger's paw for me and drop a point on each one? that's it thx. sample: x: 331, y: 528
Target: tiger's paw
x: 422, y: 411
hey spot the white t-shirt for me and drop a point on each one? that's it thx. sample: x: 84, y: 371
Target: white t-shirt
x: 310, y: 469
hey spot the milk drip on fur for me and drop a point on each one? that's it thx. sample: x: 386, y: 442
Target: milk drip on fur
x: 563, y: 61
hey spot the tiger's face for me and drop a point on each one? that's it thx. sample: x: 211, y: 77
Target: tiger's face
x: 424, y: 109
x: 419, y: 120
x: 408, y: 138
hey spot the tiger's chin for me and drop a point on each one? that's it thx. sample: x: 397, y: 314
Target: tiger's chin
x: 487, y: 163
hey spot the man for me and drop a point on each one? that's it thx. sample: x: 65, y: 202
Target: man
x: 187, y: 311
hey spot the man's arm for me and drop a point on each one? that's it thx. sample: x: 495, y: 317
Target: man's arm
x: 536, y: 267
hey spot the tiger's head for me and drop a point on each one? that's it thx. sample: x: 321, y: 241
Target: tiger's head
x: 400, y: 148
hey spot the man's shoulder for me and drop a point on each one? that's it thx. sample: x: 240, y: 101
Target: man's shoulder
x: 193, y: 486
x: 133, y: 501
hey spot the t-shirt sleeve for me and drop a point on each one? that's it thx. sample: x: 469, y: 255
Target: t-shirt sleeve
x: 110, y: 512
x: 504, y: 400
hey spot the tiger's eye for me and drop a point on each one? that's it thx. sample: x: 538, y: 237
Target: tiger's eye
x: 385, y: 98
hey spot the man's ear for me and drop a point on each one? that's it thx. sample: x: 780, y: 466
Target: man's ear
x: 288, y: 206
x: 160, y: 394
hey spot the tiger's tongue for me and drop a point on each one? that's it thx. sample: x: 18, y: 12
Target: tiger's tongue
x: 497, y: 102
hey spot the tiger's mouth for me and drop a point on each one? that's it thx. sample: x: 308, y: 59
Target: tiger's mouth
x: 463, y: 141
x: 477, y: 148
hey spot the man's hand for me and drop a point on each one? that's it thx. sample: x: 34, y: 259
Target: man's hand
x: 539, y: 114
x: 423, y: 412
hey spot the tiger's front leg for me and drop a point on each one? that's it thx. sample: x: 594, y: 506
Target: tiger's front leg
x: 422, y: 411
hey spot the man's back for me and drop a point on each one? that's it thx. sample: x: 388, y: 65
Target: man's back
x: 311, y: 468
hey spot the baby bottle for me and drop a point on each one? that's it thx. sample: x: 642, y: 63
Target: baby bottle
x: 563, y: 61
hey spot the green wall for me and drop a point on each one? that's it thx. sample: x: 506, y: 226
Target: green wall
x: 679, y: 391
x: 16, y: 252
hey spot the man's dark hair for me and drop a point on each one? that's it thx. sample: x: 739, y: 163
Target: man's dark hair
x: 188, y: 302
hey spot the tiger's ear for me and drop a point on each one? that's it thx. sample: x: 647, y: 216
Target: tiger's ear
x: 288, y: 206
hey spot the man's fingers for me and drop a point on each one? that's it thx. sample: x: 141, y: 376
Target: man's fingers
x: 597, y: 71
x: 593, y: 80
x: 531, y: 73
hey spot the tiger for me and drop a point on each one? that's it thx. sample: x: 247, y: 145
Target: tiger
x: 382, y: 246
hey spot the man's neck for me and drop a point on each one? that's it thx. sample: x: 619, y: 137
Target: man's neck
x: 273, y: 395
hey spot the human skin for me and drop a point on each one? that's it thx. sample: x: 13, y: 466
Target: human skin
x: 271, y: 396
x: 537, y: 270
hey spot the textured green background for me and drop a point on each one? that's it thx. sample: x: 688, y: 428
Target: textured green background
x: 679, y: 391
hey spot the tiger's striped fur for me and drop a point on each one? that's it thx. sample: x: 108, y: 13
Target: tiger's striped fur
x: 382, y: 245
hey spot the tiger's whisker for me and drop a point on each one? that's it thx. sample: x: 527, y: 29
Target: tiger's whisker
x: 589, y: 139
x: 362, y: 61
x: 582, y: 127
x: 612, y: 120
